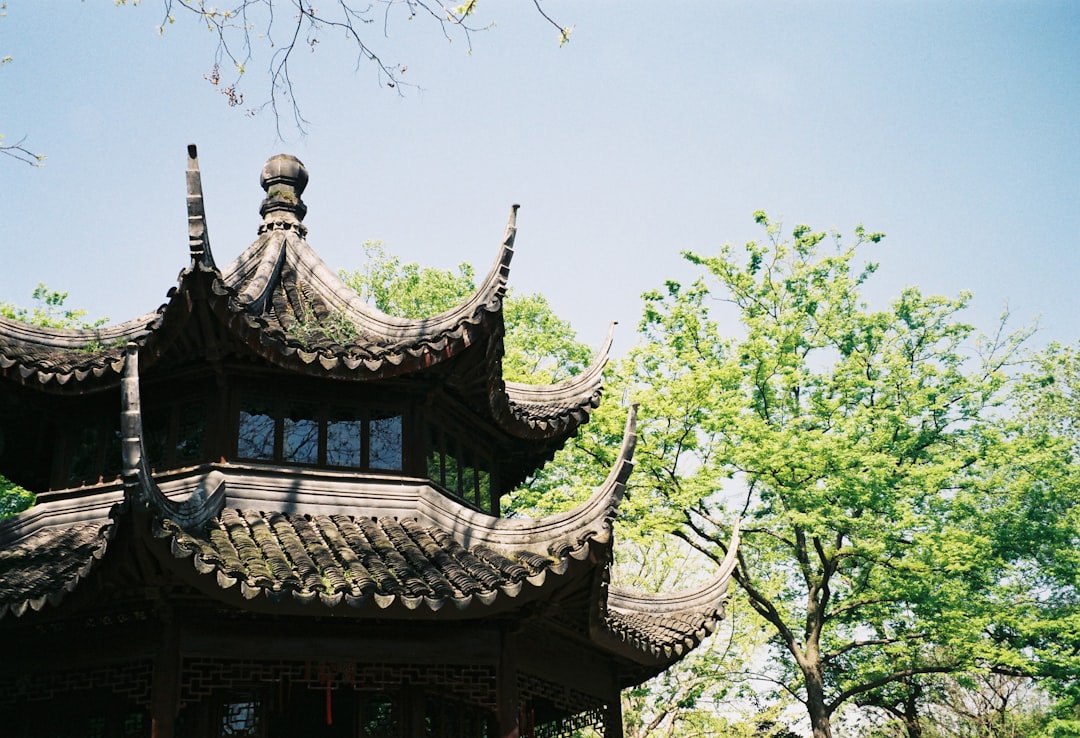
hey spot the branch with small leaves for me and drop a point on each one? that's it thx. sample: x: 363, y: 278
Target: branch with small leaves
x: 248, y: 21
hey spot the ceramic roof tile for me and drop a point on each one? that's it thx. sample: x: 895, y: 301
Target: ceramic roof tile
x: 326, y: 555
x: 48, y: 563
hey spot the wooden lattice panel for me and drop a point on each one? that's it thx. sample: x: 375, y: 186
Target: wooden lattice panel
x: 568, y: 727
x: 131, y: 681
x: 474, y: 685
x: 583, y: 711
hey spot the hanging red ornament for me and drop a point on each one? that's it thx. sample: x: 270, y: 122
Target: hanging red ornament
x: 329, y: 704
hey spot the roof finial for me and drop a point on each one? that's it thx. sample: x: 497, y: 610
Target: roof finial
x: 198, y: 240
x: 284, y: 178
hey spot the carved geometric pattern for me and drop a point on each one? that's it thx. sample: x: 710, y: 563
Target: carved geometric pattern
x: 474, y: 685
x: 559, y: 695
x: 568, y: 727
x: 584, y: 711
x: 131, y: 681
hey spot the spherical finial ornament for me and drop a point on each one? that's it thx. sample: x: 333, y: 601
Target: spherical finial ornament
x: 284, y: 169
x: 284, y: 178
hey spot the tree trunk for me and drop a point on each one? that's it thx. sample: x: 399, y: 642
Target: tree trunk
x: 911, y: 712
x: 815, y: 699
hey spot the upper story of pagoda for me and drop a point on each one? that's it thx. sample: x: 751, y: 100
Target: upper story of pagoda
x: 272, y: 362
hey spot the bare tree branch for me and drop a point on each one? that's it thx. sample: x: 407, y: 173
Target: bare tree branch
x: 21, y: 153
x: 248, y: 21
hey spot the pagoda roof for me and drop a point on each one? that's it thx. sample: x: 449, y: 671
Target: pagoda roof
x: 282, y: 302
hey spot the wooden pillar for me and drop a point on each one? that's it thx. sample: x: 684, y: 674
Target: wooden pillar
x: 165, y: 687
x: 415, y: 711
x: 506, y: 693
x: 613, y: 720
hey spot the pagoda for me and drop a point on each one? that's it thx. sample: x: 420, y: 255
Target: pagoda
x: 268, y: 509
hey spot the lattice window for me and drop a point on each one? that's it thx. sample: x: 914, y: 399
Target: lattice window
x: 551, y: 710
x: 574, y: 726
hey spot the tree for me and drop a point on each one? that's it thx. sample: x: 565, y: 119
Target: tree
x: 13, y: 498
x: 49, y: 311
x: 848, y: 440
x: 1040, y: 528
x: 540, y: 347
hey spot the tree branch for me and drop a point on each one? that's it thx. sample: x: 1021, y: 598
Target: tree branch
x: 21, y: 153
x: 886, y: 679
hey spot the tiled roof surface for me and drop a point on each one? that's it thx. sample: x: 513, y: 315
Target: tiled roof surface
x: 33, y: 354
x: 664, y: 636
x: 49, y: 563
x: 339, y: 558
x: 310, y: 318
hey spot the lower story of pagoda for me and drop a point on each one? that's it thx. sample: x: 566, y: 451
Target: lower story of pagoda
x: 212, y: 679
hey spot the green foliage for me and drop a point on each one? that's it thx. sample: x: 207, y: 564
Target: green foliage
x: 408, y: 290
x: 13, y: 498
x: 49, y: 311
x: 864, y: 450
x: 336, y: 327
x: 541, y: 348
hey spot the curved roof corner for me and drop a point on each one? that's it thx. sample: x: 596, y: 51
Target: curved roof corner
x: 659, y: 629
x: 544, y: 411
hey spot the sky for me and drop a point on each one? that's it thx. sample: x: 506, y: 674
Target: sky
x: 953, y: 127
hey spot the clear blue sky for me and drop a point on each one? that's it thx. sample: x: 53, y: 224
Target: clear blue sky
x: 952, y: 126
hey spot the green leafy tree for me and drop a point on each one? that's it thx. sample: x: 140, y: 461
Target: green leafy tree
x: 49, y: 311
x: 540, y: 347
x: 1044, y: 537
x: 849, y: 441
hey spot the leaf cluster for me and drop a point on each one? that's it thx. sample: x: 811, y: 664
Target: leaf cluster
x: 49, y: 311
x: 13, y: 498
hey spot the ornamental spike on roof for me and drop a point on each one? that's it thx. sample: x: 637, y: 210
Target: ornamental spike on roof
x: 198, y: 240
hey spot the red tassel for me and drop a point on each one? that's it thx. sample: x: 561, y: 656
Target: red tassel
x: 329, y: 705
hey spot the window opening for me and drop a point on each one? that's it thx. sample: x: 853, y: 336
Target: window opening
x: 378, y: 716
x: 344, y: 433
x: 190, y: 444
x: 113, y: 462
x: 83, y: 467
x: 459, y: 470
x: 385, y: 445
x: 301, y: 436
x: 257, y: 431
x: 240, y: 715
x: 306, y: 433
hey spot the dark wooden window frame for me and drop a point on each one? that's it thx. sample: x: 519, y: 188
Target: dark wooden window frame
x: 450, y: 457
x: 323, y: 412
